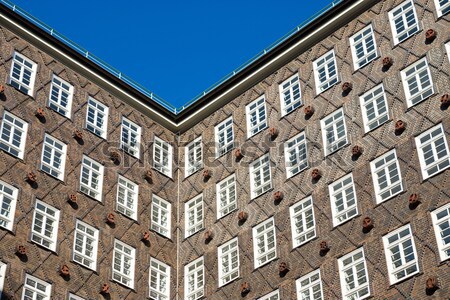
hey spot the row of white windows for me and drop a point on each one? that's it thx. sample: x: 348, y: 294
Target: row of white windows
x: 399, y: 246
x: 432, y: 147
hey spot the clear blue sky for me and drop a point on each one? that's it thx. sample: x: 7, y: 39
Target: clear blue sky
x: 176, y: 49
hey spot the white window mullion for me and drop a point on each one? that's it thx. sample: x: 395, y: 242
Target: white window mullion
x: 334, y: 132
x: 127, y: 197
x: 162, y: 157
x: 325, y: 71
x: 256, y: 116
x: 417, y: 82
x: 53, y: 157
x: 374, y: 108
x: 275, y: 295
x: 226, y: 196
x: 442, y: 7
x: 23, y: 74
x: 264, y: 242
x: 290, y: 94
x: 60, y: 98
x: 194, y: 156
x: 387, y: 178
x: 159, y: 280
x: 364, y: 48
x: 224, y: 136
x: 13, y: 134
x: 8, y: 201
x: 303, y: 226
x: 309, y: 286
x: 97, y: 117
x: 441, y: 224
x: 124, y: 257
x: 193, y: 215
x: 36, y: 289
x: 404, y: 23
x: 130, y: 137
x: 44, y: 230
x: 194, y: 280
x: 91, y: 178
x: 295, y: 153
x: 161, y: 216
x: 354, y: 276
x: 343, y: 200
x: 228, y: 262
x: 260, y: 176
x: 85, y: 245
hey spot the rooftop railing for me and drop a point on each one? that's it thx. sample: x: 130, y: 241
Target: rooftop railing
x: 167, y: 105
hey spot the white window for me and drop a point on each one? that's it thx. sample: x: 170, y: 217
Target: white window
x: 194, y: 280
x: 127, y: 197
x: 45, y: 225
x: 97, y: 117
x: 36, y: 289
x: 53, y: 158
x: 295, y: 153
x: 224, y: 136
x: 91, y: 179
x: 387, y: 178
x: 334, y: 132
x: 2, y: 277
x: 159, y: 280
x: 354, y: 277
x: 228, y: 255
x: 194, y: 215
x: 162, y: 157
x: 403, y: 21
x: 401, y: 255
x: 23, y: 74
x: 123, y: 263
x: 8, y: 200
x: 260, y: 177
x: 194, y: 156
x: 75, y: 297
x: 161, y: 215
x: 447, y: 46
x: 303, y: 226
x: 343, y: 199
x: 130, y: 137
x: 13, y: 134
x: 364, y: 47
x: 60, y: 99
x: 264, y: 242
x: 275, y: 295
x: 309, y: 287
x: 442, y: 7
x: 433, y: 152
x: 441, y: 223
x: 290, y: 95
x: 374, y: 108
x: 325, y: 72
x: 226, y: 196
x: 417, y: 82
x: 85, y: 245
x: 256, y: 116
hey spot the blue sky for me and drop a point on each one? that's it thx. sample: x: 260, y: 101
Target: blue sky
x: 176, y: 49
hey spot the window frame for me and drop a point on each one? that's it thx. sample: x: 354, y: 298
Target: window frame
x: 159, y: 273
x: 419, y: 145
x: 440, y: 9
x: 290, y: 87
x: 377, y: 93
x: 53, y: 240
x: 100, y: 174
x: 343, y: 190
x: 121, y: 273
x: 124, y: 187
x: 324, y: 127
x: 3, y: 267
x: 447, y: 47
x: 368, y: 56
x: 415, y: 75
x: 48, y: 287
x: 259, y: 126
x: 23, y: 134
x: 198, y: 292
x: 229, y: 188
x: 12, y: 206
x: 267, y: 252
x: 197, y: 207
x: 266, y: 185
x: 75, y: 297
x: 227, y: 125
x: 396, y: 35
x: 130, y: 137
x: 18, y: 84
x: 353, y: 265
x: 90, y: 126
x: 387, y: 173
x: 159, y: 144
x: 387, y: 246
x: 300, y: 143
x: 158, y: 226
x: 270, y: 295
x: 442, y: 248
x: 56, y: 105
x: 222, y: 254
x: 330, y: 80
x: 310, y: 286
x: 85, y: 236
x: 197, y: 153
x: 46, y: 146
x: 305, y: 207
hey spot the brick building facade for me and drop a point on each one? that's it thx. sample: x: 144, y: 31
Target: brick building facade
x: 321, y: 169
